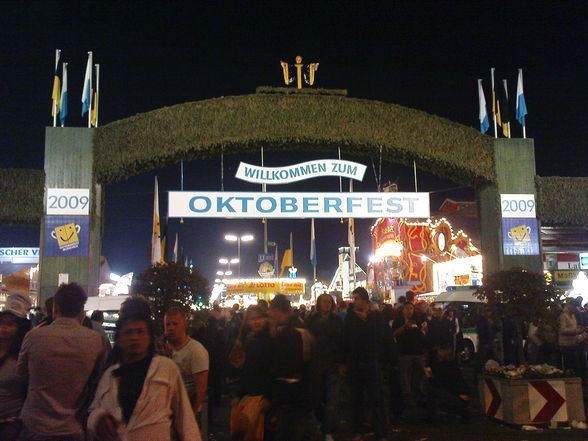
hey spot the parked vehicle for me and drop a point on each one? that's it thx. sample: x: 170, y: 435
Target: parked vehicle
x: 467, y: 305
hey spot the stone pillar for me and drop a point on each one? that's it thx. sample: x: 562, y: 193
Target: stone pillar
x: 515, y: 173
x: 69, y: 161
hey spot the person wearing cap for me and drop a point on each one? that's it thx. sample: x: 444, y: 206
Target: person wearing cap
x: 62, y: 362
x: 13, y: 327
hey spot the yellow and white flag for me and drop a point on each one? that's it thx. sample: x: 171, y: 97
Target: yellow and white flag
x: 156, y: 236
x: 56, y: 94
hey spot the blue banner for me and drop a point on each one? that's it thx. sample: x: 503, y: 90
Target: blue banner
x: 520, y: 237
x: 66, y: 236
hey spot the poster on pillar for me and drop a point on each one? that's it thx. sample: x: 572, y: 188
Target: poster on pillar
x: 66, y: 236
x: 520, y: 237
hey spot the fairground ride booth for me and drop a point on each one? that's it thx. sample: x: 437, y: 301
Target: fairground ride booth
x: 19, y: 272
x: 247, y: 292
x: 422, y: 256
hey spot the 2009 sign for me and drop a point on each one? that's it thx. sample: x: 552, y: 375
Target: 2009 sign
x: 518, y: 205
x: 68, y: 201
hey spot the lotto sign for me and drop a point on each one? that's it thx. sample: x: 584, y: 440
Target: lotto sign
x: 257, y: 205
x: 68, y: 201
x: 518, y: 205
x: 547, y: 401
x: 492, y: 398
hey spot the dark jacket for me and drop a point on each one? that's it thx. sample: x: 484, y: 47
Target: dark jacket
x: 411, y: 341
x: 292, y: 369
x: 364, y: 341
x: 438, y: 333
x: 256, y: 371
x: 447, y: 375
x: 327, y: 335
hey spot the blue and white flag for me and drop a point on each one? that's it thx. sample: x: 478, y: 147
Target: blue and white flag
x: 312, y: 244
x: 484, y: 123
x: 521, y: 104
x: 87, y: 93
x: 63, y: 103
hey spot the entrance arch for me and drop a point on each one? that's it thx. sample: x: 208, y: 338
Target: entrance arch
x: 278, y: 119
x: 306, y: 120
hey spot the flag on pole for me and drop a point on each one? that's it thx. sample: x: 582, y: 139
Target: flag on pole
x: 94, y: 114
x: 87, y: 92
x: 521, y: 104
x: 312, y: 243
x: 483, y: 115
x: 63, y: 102
x: 156, y: 236
x: 94, y: 117
x: 175, y: 255
x: 286, y: 261
x: 56, y: 93
x: 504, y: 113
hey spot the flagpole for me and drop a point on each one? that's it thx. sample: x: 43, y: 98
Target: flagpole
x: 57, y: 54
x: 97, y: 92
x: 90, y: 103
x: 352, y: 246
x: 506, y: 94
x: 416, y: 187
x: 494, y: 103
x: 264, y: 220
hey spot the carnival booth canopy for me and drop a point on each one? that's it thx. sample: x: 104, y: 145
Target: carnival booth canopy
x: 404, y: 252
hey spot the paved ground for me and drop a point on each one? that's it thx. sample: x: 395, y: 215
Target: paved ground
x: 446, y: 428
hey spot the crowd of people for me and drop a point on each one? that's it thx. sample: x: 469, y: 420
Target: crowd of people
x: 288, y: 370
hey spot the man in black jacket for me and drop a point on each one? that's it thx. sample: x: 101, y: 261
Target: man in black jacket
x: 293, y: 391
x: 410, y: 334
x: 363, y: 346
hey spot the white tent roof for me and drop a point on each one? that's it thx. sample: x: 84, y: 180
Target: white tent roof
x: 108, y: 303
x: 458, y: 295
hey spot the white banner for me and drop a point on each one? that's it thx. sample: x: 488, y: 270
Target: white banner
x: 257, y: 205
x: 68, y: 201
x: 518, y: 206
x: 299, y: 172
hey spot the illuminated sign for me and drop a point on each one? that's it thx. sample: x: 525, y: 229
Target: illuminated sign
x: 300, y: 172
x: 258, y: 205
x: 19, y: 255
x: 583, y: 260
x: 268, y: 286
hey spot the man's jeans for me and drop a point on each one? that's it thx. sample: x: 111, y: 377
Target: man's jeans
x: 412, y: 370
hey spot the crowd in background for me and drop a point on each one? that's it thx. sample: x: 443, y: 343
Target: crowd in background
x: 289, y: 371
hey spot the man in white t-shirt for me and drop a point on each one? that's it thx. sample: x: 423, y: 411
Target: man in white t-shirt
x: 192, y: 359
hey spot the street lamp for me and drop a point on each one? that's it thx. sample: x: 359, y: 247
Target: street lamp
x: 238, y: 239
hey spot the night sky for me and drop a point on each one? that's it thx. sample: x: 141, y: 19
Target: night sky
x: 425, y: 55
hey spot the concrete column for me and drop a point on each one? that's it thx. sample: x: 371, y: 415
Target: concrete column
x: 515, y: 173
x: 69, y: 161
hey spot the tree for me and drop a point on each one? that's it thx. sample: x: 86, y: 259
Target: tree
x: 171, y: 284
x: 521, y: 296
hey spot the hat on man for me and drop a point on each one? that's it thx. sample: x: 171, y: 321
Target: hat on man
x: 17, y: 304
